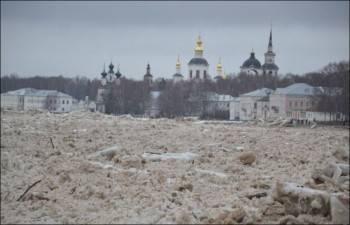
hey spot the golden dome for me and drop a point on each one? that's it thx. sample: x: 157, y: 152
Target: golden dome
x: 178, y: 64
x: 199, y: 44
x: 219, y: 66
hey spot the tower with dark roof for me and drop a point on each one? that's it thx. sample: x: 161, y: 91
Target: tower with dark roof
x: 269, y: 66
x: 198, y: 66
x: 148, y: 76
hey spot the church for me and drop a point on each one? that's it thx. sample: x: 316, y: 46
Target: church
x: 198, y: 70
x: 253, y: 66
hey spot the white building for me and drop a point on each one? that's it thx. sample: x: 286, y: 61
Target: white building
x: 198, y: 66
x: 30, y: 98
x: 249, y: 103
x: 234, y: 108
x: 296, y: 97
x: 219, y: 102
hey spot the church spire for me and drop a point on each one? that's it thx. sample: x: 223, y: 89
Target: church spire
x: 270, y: 41
x: 148, y: 70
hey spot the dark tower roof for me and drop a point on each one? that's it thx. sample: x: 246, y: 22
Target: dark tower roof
x: 111, y: 66
x: 104, y: 74
x: 198, y: 61
x: 251, y: 62
x: 148, y: 71
x: 118, y: 74
x: 178, y: 75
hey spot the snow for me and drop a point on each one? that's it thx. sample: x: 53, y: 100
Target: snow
x: 108, y: 174
x: 168, y: 155
x: 212, y: 173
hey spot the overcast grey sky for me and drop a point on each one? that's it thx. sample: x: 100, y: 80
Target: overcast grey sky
x: 77, y: 38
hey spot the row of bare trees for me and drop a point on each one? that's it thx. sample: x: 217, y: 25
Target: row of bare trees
x: 77, y: 87
x: 127, y: 97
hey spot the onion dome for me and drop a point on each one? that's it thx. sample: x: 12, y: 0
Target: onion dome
x: 118, y: 74
x: 199, y: 44
x: 111, y: 66
x: 104, y: 74
x: 251, y: 62
x: 219, y: 66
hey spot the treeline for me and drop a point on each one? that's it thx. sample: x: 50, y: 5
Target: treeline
x: 127, y: 96
x: 77, y: 87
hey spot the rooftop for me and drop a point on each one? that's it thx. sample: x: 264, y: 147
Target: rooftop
x: 298, y: 89
x: 36, y: 92
x: 258, y: 93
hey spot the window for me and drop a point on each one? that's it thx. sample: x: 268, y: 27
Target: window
x: 205, y: 74
x: 301, y: 104
x: 290, y: 104
x: 62, y: 109
x: 191, y: 74
x: 197, y: 73
x: 62, y: 101
x: 296, y: 104
x: 67, y: 101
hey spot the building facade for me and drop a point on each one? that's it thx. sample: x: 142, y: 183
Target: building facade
x: 249, y: 103
x: 30, y: 98
x: 296, y: 97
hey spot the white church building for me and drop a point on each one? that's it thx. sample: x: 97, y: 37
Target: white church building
x: 198, y: 66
